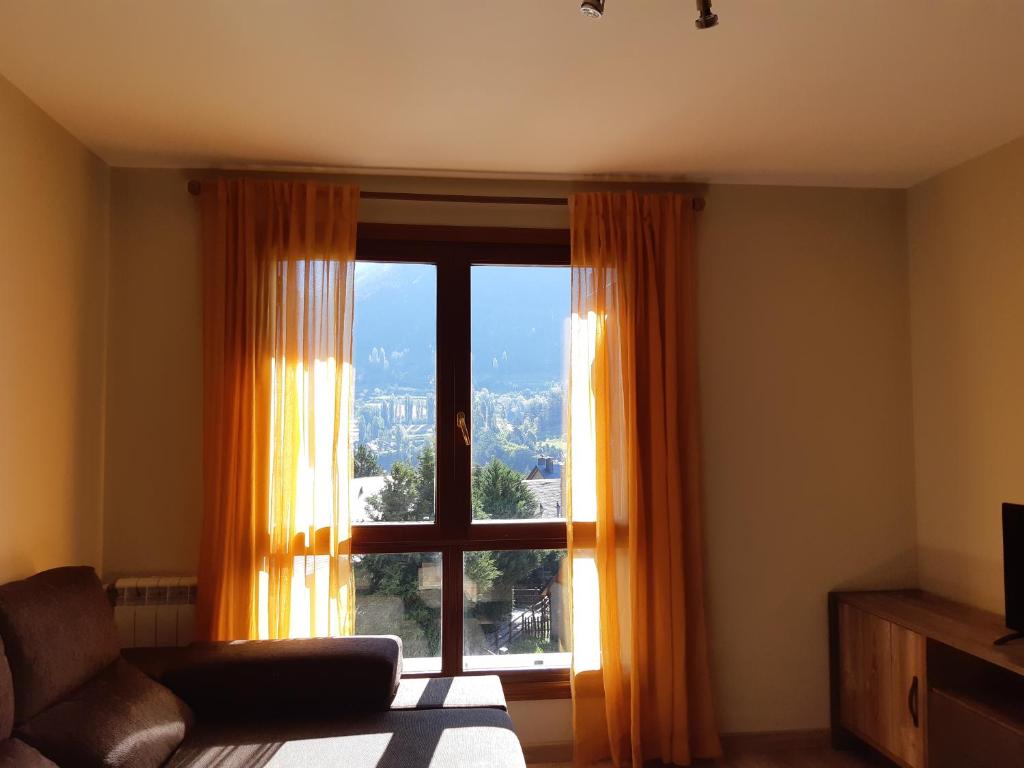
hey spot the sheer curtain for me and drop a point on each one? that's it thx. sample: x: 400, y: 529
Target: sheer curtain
x: 278, y: 279
x: 641, y: 687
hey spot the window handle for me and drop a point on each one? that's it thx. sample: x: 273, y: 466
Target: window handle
x: 460, y: 419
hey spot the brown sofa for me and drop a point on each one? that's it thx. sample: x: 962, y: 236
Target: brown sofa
x: 69, y: 698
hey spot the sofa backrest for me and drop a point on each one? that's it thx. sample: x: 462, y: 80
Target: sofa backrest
x: 6, y: 696
x: 319, y: 677
x: 58, y: 631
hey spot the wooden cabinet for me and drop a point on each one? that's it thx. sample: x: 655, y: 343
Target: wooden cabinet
x: 881, y: 679
x: 966, y: 711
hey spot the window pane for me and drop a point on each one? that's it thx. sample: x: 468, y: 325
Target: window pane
x: 520, y: 318
x: 513, y: 614
x: 394, y: 337
x: 400, y: 594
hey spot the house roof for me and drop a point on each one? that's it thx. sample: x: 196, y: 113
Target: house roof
x: 549, y: 497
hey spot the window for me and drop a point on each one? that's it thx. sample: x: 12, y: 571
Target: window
x: 400, y: 594
x: 514, y: 615
x: 460, y: 364
x: 519, y: 325
x: 395, y: 423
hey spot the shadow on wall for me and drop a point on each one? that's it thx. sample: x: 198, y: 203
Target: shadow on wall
x: 893, y: 573
x: 964, y: 577
x: 89, y: 413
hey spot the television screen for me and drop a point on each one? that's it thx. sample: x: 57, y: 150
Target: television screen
x: 1013, y: 564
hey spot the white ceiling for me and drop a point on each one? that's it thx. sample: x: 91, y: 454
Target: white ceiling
x: 836, y: 92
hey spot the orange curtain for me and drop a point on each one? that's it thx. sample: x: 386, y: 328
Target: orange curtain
x: 641, y: 686
x: 278, y: 280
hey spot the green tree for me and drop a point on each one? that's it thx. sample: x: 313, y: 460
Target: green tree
x: 423, y: 507
x: 365, y: 462
x: 526, y: 568
x: 396, y: 502
x: 408, y: 492
x: 501, y: 493
x: 481, y: 569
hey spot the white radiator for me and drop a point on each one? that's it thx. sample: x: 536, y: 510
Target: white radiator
x: 156, y: 611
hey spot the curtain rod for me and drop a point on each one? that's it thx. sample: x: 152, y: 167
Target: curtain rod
x: 194, y: 188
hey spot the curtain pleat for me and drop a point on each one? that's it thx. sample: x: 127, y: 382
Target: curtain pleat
x: 278, y: 281
x: 642, y: 688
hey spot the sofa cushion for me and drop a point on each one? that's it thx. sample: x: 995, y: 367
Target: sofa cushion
x: 58, y: 630
x: 6, y: 696
x: 15, y: 753
x: 438, y: 738
x: 450, y: 693
x: 268, y: 678
x: 119, y: 718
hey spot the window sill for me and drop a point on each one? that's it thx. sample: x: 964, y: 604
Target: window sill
x: 519, y: 689
x: 524, y: 684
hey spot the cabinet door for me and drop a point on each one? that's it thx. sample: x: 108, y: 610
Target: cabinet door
x: 865, y: 668
x: 909, y: 697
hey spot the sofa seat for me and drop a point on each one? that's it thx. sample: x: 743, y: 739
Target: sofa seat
x: 426, y: 738
x: 450, y: 693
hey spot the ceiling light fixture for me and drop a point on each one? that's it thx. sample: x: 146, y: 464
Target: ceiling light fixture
x: 705, y: 19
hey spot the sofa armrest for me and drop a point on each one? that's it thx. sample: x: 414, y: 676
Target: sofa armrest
x: 275, y: 678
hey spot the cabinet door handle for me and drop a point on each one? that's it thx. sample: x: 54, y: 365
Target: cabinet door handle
x: 912, y: 703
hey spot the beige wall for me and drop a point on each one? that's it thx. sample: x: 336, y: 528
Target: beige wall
x: 53, y: 265
x: 966, y: 246
x: 807, y: 434
x: 154, y: 404
x: 805, y: 371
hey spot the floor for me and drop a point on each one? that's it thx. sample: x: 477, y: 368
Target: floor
x: 779, y: 758
x: 805, y: 758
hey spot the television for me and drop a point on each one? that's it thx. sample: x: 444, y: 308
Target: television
x: 1013, y: 570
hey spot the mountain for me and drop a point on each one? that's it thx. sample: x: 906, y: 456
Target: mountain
x: 520, y: 317
x: 395, y: 326
x: 520, y: 326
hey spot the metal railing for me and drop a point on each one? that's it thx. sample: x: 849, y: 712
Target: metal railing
x: 533, y: 622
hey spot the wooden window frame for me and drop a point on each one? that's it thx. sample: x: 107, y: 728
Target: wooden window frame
x: 454, y: 251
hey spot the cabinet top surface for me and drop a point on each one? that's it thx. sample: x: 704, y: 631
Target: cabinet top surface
x: 959, y: 626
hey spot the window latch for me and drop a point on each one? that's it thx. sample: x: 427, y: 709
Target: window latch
x: 460, y: 419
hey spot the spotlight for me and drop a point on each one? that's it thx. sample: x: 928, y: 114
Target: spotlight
x: 593, y: 9
x: 706, y: 19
